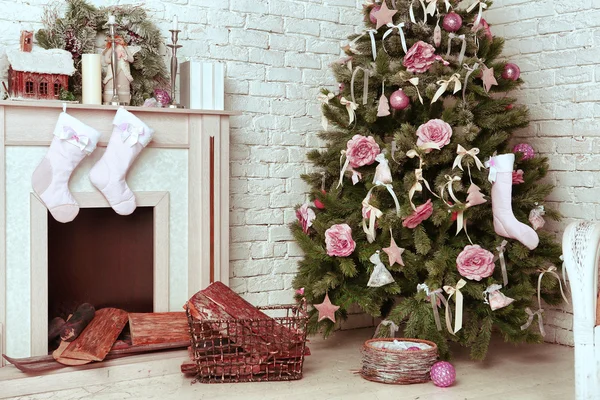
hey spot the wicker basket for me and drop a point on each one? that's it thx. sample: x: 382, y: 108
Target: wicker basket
x: 403, y: 367
x: 250, y: 350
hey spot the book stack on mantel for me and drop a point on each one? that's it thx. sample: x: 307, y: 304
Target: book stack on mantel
x: 90, y: 336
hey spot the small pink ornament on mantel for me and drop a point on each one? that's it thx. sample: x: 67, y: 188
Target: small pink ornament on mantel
x: 443, y: 374
x: 525, y: 149
x: 452, y: 22
x: 399, y: 100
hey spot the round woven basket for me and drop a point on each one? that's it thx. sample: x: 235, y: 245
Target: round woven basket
x: 396, y: 366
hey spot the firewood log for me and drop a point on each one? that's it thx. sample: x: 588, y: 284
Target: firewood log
x: 77, y: 323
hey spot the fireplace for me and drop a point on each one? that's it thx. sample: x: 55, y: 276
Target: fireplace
x: 181, y: 185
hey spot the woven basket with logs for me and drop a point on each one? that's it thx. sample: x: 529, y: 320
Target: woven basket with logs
x: 390, y: 361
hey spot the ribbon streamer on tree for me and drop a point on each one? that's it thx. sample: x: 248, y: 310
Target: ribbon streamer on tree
x: 434, y: 296
x: 346, y: 61
x: 373, y: 213
x: 324, y: 98
x: 392, y: 327
x: 411, y: 13
x: 415, y: 82
x: 500, y: 257
x: 461, y: 221
x: 417, y: 187
x: 463, y: 47
x: 424, y: 11
x: 372, y: 33
x: 444, y: 86
x: 470, y: 70
x: 482, y: 6
x: 458, y: 299
x: 390, y: 189
x: 343, y: 168
x: 351, y: 108
x: 530, y: 320
x: 366, y: 74
x: 400, y: 33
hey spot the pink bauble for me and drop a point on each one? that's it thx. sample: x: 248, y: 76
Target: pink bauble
x: 162, y: 96
x: 452, y: 22
x: 525, y: 149
x: 443, y: 374
x: 318, y: 202
x: 511, y: 71
x: 373, y: 11
x: 413, y: 348
x: 399, y: 100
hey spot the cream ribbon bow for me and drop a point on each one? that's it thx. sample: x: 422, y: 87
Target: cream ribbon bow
x: 373, y: 213
x: 324, y: 98
x: 390, y: 189
x: 482, y: 6
x: 433, y: 297
x: 458, y: 299
x: 351, y: 108
x: 461, y: 222
x: 462, y: 152
x: 470, y: 70
x: 415, y: 82
x: 444, y: 86
x: 130, y: 133
x: 463, y: 47
x: 371, y: 33
x: 400, y: 33
x: 72, y: 137
x: 417, y: 187
x: 366, y: 74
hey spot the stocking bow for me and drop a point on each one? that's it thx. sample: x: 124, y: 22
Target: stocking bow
x: 69, y: 134
x: 130, y: 133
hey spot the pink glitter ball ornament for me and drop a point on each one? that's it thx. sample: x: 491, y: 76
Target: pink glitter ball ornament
x: 511, y: 72
x: 413, y: 348
x: 443, y: 374
x: 373, y: 11
x: 162, y: 96
x: 525, y: 149
x: 399, y: 100
x: 452, y: 22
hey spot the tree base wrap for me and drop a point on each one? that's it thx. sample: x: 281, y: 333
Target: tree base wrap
x: 388, y: 361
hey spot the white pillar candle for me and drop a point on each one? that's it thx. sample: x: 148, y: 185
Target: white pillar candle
x: 175, y: 23
x: 91, y: 77
x: 111, y: 19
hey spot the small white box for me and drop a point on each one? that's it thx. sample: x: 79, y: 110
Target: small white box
x: 202, y: 85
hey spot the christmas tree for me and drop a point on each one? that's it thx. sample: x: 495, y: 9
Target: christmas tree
x: 421, y: 219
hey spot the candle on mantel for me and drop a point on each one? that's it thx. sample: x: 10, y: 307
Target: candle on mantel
x: 91, y: 79
x: 175, y: 23
x: 111, y: 20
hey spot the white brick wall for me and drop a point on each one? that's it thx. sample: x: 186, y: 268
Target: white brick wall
x: 277, y: 55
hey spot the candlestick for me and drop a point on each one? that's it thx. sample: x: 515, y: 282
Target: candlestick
x: 175, y: 23
x: 91, y: 77
x: 114, y: 101
x: 111, y: 20
x: 174, y: 64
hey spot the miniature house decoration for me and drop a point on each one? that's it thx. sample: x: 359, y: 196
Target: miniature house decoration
x: 38, y: 74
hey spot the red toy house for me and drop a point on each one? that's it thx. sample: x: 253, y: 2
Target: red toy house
x: 39, y: 74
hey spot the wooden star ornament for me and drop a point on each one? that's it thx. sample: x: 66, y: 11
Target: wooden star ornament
x: 326, y: 309
x: 488, y: 78
x: 383, y: 15
x: 394, y: 253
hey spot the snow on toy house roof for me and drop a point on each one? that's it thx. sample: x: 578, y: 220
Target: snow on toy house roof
x: 41, y: 61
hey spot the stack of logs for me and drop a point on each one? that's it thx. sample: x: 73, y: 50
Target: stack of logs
x: 91, y: 336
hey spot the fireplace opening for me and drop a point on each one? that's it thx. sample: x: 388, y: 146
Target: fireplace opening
x: 101, y: 258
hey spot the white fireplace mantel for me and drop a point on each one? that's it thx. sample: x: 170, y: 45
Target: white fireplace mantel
x: 188, y: 158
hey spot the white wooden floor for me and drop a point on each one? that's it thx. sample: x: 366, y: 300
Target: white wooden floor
x: 527, y: 372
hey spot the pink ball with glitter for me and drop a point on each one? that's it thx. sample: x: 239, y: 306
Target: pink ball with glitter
x: 452, y: 22
x: 511, y: 72
x: 162, y: 96
x: 443, y: 374
x: 525, y: 149
x: 373, y: 11
x: 399, y: 100
x: 413, y: 348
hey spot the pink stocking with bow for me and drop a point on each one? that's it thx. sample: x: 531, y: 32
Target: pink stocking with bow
x: 73, y: 140
x: 129, y: 136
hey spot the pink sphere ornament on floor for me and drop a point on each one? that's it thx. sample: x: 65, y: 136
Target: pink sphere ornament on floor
x: 443, y: 374
x: 452, y: 22
x: 525, y: 149
x: 373, y: 11
x: 399, y: 100
x: 511, y: 72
